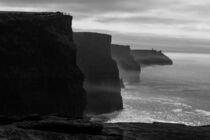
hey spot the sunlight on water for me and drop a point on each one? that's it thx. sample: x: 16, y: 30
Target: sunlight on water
x: 176, y: 94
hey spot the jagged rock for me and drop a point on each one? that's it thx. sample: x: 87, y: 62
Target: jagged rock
x: 128, y: 67
x: 63, y: 126
x: 122, y: 83
x: 6, y: 120
x: 80, y: 129
x: 38, y: 71
x: 157, y: 131
x: 151, y: 57
x: 102, y: 81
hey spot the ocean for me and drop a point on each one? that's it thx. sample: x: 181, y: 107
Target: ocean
x: 176, y: 94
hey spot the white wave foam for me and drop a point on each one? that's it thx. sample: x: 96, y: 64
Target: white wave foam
x: 177, y: 110
x: 159, y: 100
x: 203, y: 112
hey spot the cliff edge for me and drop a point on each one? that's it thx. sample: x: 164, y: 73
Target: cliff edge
x: 102, y: 81
x: 128, y: 67
x: 38, y: 71
x: 151, y: 57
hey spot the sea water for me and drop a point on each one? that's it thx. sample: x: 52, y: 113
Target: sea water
x: 176, y: 94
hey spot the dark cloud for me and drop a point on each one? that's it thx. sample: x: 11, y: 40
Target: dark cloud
x: 80, y: 5
x: 87, y: 8
x: 147, y: 20
x: 167, y: 44
x: 201, y: 10
x: 165, y: 17
x: 90, y: 6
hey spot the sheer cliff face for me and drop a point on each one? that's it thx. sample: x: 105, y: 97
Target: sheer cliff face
x: 128, y: 67
x: 38, y: 71
x: 151, y: 57
x: 101, y: 73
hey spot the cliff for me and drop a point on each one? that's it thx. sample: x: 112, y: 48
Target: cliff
x: 151, y: 57
x: 102, y: 81
x: 38, y: 71
x: 128, y: 67
x: 55, y: 128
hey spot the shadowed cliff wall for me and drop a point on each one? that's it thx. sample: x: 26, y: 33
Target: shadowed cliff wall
x: 38, y: 71
x: 128, y: 67
x: 102, y: 81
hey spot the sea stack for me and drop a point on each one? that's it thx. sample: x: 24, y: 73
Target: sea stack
x: 102, y: 81
x: 38, y: 71
x: 151, y: 57
x: 128, y: 67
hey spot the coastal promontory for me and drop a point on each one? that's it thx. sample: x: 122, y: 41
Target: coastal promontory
x: 38, y: 70
x: 151, y: 57
x: 102, y: 81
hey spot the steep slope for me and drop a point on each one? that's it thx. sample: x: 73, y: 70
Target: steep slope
x: 38, y: 71
x: 128, y: 67
x: 102, y: 81
x: 151, y: 57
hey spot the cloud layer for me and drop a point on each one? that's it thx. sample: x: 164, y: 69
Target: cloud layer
x: 173, y: 18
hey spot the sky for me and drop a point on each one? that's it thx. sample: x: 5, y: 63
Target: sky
x: 168, y: 25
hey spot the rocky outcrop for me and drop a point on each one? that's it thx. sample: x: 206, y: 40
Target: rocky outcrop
x: 102, y: 81
x: 55, y: 128
x: 151, y: 57
x: 38, y: 71
x: 128, y: 67
x: 157, y: 131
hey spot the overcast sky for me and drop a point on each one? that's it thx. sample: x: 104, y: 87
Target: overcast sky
x: 171, y: 25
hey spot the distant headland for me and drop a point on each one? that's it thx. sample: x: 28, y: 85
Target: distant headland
x: 151, y: 57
